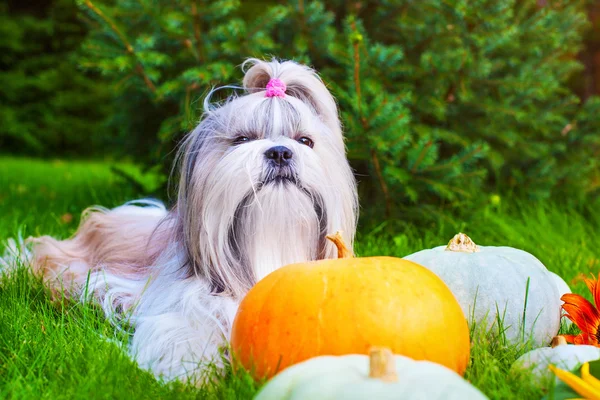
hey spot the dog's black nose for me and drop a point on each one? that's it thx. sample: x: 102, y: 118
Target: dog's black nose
x: 280, y: 155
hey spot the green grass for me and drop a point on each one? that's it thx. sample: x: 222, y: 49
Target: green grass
x: 69, y: 351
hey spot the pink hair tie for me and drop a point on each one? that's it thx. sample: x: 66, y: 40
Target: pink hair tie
x: 275, y: 88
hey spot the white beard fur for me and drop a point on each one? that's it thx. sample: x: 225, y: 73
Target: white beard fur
x: 177, y: 276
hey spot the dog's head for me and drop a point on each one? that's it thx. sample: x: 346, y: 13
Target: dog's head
x: 264, y: 178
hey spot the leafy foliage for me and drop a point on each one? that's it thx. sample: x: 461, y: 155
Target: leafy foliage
x: 48, y: 105
x: 488, y: 97
x: 441, y: 100
x: 165, y: 55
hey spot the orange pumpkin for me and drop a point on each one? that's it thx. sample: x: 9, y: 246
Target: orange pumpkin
x: 346, y: 306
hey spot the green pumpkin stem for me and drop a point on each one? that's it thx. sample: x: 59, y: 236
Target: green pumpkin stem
x: 343, y: 251
x: 463, y: 243
x: 382, y: 365
x: 558, y: 341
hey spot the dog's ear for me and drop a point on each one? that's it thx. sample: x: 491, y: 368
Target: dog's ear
x: 257, y: 76
x: 302, y: 83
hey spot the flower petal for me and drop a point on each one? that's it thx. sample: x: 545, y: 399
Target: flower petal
x: 590, y: 283
x: 589, y: 378
x: 596, y: 292
x: 582, y: 313
x: 576, y: 383
x: 582, y: 338
x: 585, y: 338
x: 594, y: 288
x: 570, y: 338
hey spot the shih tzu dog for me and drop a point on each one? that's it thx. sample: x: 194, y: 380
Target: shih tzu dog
x: 263, y: 178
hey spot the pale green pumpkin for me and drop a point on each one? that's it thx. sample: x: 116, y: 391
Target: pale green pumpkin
x: 379, y: 376
x: 498, y: 283
x: 560, y: 354
x: 561, y: 285
x: 563, y: 288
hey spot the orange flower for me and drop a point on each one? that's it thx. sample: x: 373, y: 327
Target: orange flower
x: 584, y: 315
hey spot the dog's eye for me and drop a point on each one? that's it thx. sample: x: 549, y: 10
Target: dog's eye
x: 306, y: 141
x: 240, y: 140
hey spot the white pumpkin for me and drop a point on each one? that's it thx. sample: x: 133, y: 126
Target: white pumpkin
x: 381, y: 376
x: 488, y: 280
x: 561, y: 355
x: 563, y: 288
x: 561, y: 285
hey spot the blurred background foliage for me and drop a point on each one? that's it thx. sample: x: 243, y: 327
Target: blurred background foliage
x: 446, y: 103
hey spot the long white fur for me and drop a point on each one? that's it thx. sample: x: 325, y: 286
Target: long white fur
x: 177, y: 276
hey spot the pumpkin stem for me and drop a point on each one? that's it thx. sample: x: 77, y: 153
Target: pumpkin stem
x: 558, y: 341
x: 463, y: 243
x: 382, y: 365
x: 337, y: 239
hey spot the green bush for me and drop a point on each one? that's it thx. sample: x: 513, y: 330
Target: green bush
x: 48, y: 104
x: 442, y: 101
